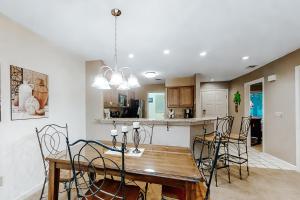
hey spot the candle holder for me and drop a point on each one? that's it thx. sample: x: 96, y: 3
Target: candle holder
x: 114, y: 141
x: 136, y: 140
x: 124, y: 139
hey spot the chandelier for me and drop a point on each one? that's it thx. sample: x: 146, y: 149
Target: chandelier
x: 117, y: 75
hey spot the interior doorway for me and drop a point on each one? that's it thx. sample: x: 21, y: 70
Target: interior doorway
x: 156, y: 105
x: 254, y: 107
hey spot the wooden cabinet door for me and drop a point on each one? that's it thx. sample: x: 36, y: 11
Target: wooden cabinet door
x: 173, y: 97
x: 186, y: 96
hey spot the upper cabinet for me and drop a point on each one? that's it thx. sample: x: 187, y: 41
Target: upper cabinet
x: 186, y: 96
x: 180, y: 97
x: 173, y: 97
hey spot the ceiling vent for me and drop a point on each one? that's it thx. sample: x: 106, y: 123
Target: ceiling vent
x: 251, y: 66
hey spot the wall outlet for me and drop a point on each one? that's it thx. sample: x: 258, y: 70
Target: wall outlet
x: 1, y: 181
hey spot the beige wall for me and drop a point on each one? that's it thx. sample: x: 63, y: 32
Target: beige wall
x: 141, y: 93
x: 180, y: 81
x: 21, y: 165
x: 214, y: 85
x: 279, y: 135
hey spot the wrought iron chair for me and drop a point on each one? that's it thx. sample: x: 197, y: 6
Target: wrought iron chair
x: 208, y: 168
x: 52, y: 140
x: 86, y: 166
x: 239, y: 140
x: 224, y: 128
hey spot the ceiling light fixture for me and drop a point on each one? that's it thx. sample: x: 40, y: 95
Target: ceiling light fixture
x: 212, y: 79
x: 245, y: 57
x: 117, y: 78
x: 150, y: 74
x: 203, y: 53
x: 166, y: 51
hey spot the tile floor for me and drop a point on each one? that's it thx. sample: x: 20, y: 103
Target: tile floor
x: 263, y: 160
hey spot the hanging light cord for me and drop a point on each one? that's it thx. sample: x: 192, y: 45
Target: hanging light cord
x: 116, y: 50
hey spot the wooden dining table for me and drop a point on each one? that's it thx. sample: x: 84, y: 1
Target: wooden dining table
x: 163, y: 165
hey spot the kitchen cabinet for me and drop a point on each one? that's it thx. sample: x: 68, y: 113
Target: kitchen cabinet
x: 180, y: 97
x: 186, y: 97
x: 173, y: 97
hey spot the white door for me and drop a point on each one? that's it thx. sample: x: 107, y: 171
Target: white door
x: 214, y: 103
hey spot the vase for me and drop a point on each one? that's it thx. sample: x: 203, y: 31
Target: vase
x: 40, y: 92
x: 25, y: 92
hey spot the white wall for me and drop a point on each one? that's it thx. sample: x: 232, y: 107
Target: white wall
x: 21, y: 164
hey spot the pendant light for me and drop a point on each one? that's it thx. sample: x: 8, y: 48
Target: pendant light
x: 117, y: 78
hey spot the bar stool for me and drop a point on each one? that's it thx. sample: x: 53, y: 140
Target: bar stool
x: 239, y: 140
x: 224, y: 128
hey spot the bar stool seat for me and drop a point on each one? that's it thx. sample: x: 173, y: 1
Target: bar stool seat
x: 235, y: 136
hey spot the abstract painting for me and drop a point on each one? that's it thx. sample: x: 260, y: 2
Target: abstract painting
x: 29, y: 94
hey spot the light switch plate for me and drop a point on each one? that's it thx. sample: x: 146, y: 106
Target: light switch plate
x: 279, y: 114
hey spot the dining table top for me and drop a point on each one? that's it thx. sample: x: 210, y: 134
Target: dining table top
x: 168, y: 162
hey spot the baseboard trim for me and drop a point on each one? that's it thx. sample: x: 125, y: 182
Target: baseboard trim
x: 30, y: 192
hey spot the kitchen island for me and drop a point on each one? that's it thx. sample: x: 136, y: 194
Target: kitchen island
x: 171, y: 132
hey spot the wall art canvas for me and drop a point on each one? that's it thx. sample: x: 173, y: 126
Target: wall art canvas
x: 29, y: 94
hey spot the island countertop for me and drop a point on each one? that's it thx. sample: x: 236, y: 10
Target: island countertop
x: 176, y: 121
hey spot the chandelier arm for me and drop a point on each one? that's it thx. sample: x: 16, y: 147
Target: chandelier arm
x: 108, y: 70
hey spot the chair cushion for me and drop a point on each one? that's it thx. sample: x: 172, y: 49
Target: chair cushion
x: 207, y: 137
x: 111, y: 186
x: 235, y: 136
x: 172, y: 193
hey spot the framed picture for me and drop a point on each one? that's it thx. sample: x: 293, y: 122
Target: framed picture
x: 29, y: 94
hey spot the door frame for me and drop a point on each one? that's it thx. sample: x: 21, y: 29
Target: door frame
x: 207, y: 90
x: 247, y: 107
x: 297, y: 109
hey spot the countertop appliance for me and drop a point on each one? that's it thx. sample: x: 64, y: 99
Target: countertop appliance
x: 188, y: 113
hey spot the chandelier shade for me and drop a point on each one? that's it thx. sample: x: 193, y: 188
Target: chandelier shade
x: 133, y: 81
x: 100, y: 82
x: 116, y: 78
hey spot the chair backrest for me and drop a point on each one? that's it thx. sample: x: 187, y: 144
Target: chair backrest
x: 145, y: 132
x: 87, y: 160
x: 52, y: 140
x: 245, y: 126
x: 224, y: 126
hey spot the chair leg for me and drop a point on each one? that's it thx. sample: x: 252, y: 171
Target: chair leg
x: 216, y: 177
x: 43, y: 189
x: 239, y: 154
x: 228, y: 165
x: 247, y: 157
x: 146, y: 190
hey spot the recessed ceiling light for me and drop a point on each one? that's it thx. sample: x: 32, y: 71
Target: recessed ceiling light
x: 166, y: 51
x: 150, y: 74
x: 245, y: 57
x: 212, y: 79
x: 131, y: 55
x: 203, y: 53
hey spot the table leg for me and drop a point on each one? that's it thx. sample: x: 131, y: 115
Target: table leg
x: 53, y: 184
x: 190, y: 191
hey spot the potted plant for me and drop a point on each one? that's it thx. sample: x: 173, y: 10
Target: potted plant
x: 237, y: 100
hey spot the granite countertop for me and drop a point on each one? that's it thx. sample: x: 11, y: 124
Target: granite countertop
x: 189, y: 121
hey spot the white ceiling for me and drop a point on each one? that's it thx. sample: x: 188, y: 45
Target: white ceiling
x: 226, y: 29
